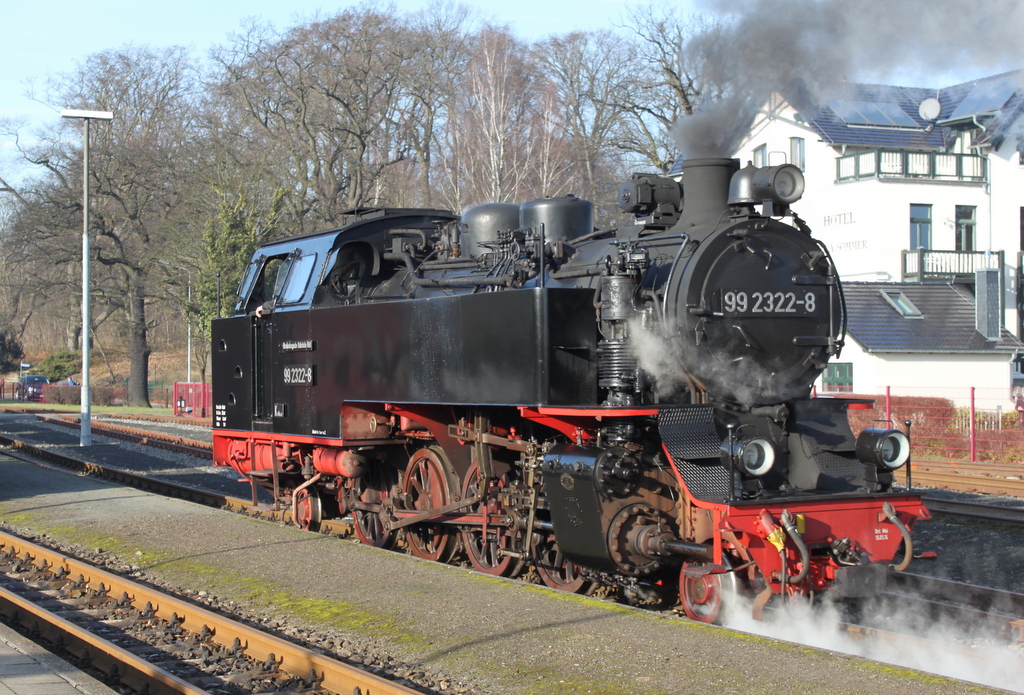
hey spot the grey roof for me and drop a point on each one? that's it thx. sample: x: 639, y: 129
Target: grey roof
x: 999, y: 125
x: 925, y: 135
x: 940, y: 135
x: 946, y: 325
x: 834, y: 130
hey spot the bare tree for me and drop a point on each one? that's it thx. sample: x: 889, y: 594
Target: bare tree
x: 489, y: 137
x: 438, y: 62
x: 324, y: 101
x: 139, y: 166
x: 588, y: 71
x: 667, y: 81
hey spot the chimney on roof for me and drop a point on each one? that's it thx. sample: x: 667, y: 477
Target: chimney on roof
x: 986, y: 303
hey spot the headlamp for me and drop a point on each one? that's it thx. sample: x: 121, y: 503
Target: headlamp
x: 754, y: 457
x: 887, y: 449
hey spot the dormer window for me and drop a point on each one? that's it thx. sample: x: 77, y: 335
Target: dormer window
x: 901, y: 303
x: 964, y: 140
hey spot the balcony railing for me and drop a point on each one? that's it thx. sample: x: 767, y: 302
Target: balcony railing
x: 926, y: 265
x: 911, y: 166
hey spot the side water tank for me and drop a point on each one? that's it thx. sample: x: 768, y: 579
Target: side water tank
x: 481, y: 224
x: 563, y: 218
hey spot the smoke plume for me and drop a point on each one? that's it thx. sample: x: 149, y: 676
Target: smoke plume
x: 806, y: 49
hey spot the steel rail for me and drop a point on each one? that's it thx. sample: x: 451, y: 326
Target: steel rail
x: 35, y: 454
x: 133, y: 671
x: 986, y: 468
x: 923, y: 585
x: 293, y: 659
x: 976, y: 510
x: 977, y: 597
x: 964, y: 476
x: 980, y: 658
x: 170, y: 419
x: 130, y: 434
x: 969, y: 483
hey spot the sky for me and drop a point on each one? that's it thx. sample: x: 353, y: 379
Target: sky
x: 44, y: 37
x: 50, y: 37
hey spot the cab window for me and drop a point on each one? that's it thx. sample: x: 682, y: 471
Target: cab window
x: 296, y: 275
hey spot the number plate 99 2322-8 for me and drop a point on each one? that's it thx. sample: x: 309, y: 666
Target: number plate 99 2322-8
x: 757, y: 303
x: 300, y: 375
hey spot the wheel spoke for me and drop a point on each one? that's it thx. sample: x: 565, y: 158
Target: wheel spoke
x: 425, y: 486
x: 484, y: 552
x: 555, y: 570
x: 372, y: 488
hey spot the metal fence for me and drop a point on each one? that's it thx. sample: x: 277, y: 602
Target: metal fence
x: 160, y: 393
x: 900, y: 164
x: 964, y: 424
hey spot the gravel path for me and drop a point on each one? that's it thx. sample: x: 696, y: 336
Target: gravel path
x: 450, y: 626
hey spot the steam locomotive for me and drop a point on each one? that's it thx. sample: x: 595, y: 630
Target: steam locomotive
x: 628, y: 407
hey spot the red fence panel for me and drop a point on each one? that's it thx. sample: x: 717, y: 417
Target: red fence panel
x: 966, y: 424
x: 193, y: 400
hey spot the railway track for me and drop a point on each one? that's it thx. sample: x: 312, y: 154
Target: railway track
x: 961, y: 476
x: 976, y: 510
x: 967, y: 482
x: 155, y: 643
x: 966, y: 476
x: 976, y: 477
x: 28, y: 452
x: 992, y: 614
x: 136, y: 436
x: 952, y: 602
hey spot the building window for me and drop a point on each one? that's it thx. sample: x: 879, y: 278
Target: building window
x: 901, y: 303
x: 964, y: 141
x: 838, y: 378
x: 965, y: 226
x: 796, y: 152
x: 920, y: 226
x: 761, y: 156
x: 1022, y: 229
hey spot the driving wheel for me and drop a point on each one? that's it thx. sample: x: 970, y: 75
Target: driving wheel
x: 706, y: 594
x: 556, y: 570
x: 372, y: 488
x: 427, y: 484
x: 484, y: 548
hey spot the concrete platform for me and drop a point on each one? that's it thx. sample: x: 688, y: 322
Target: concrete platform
x: 28, y: 669
x: 502, y: 636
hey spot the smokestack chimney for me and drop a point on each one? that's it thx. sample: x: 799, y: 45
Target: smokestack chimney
x: 986, y: 303
x: 705, y: 190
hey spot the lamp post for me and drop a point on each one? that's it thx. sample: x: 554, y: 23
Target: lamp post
x: 86, y: 422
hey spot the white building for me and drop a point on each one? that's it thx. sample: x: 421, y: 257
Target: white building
x: 915, y: 185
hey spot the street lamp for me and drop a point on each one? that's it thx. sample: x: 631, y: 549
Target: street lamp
x: 86, y: 422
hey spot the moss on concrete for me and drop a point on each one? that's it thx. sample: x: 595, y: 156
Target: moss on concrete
x: 230, y: 585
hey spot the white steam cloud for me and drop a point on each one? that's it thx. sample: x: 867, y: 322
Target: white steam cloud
x: 967, y: 657
x: 660, y: 356
x: 663, y: 355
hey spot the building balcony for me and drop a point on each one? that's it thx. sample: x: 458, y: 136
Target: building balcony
x: 912, y: 166
x: 927, y: 265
